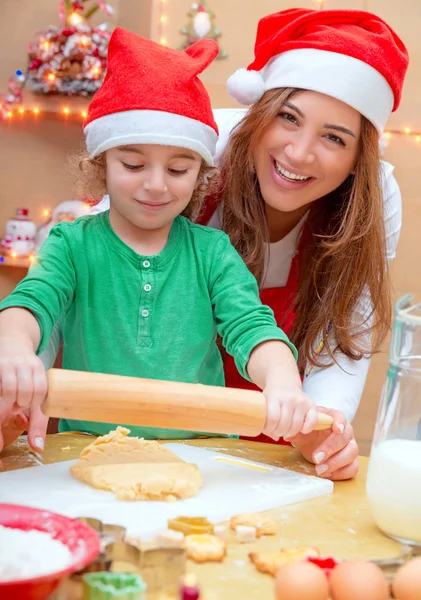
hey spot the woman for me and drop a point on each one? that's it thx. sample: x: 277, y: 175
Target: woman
x: 299, y: 194
x: 312, y: 224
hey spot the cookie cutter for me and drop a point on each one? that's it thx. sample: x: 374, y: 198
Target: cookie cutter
x: 156, y: 565
x: 191, y: 525
x: 108, y: 534
x: 107, y: 586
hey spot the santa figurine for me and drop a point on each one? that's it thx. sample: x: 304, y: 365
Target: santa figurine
x: 201, y: 21
x: 70, y: 210
x: 19, y: 238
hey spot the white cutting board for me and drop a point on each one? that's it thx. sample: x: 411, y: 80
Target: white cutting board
x: 228, y: 489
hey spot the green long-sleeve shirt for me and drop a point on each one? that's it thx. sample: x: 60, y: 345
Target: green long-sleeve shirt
x: 145, y: 316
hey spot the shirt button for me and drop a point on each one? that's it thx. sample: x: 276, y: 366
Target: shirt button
x: 146, y: 264
x: 145, y: 313
x: 147, y: 287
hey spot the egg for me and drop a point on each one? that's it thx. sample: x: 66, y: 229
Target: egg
x: 360, y: 579
x: 407, y: 582
x: 301, y: 581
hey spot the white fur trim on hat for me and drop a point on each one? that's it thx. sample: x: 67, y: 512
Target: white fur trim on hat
x: 150, y: 127
x: 247, y: 87
x: 348, y: 79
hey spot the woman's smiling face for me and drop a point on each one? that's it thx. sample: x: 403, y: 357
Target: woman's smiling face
x: 308, y: 151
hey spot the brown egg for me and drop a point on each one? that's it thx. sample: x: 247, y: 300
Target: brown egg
x: 358, y: 579
x: 407, y: 582
x: 301, y: 581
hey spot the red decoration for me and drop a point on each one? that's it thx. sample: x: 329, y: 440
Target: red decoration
x: 327, y: 564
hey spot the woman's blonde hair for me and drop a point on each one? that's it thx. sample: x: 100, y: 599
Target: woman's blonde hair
x: 89, y: 176
x: 345, y: 251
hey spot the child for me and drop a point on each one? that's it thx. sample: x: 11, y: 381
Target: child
x: 140, y: 290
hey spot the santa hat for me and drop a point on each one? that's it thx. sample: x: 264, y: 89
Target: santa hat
x: 350, y: 55
x: 152, y: 95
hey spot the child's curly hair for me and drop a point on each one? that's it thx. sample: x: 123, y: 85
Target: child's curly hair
x: 89, y: 175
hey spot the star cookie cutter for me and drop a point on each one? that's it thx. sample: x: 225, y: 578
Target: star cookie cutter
x: 191, y: 525
x: 107, y: 586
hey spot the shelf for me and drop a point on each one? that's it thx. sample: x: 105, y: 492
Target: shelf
x: 18, y: 262
x: 52, y: 105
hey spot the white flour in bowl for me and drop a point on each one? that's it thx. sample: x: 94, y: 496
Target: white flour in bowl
x: 27, y: 554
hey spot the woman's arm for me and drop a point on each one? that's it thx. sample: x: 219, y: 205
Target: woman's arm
x: 340, y: 387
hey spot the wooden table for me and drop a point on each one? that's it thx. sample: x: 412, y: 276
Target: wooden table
x: 340, y: 524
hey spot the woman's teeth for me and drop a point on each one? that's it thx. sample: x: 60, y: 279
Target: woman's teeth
x: 288, y: 174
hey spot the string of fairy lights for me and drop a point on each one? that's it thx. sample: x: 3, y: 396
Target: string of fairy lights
x: 67, y: 112
x: 162, y: 22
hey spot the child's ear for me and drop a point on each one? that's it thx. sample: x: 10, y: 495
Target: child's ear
x: 203, y: 52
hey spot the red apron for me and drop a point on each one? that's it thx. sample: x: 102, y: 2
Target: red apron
x: 280, y: 300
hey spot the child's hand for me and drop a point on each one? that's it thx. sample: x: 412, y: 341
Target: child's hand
x: 23, y: 378
x: 289, y: 412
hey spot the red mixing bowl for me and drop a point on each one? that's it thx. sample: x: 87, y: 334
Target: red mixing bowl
x: 82, y: 541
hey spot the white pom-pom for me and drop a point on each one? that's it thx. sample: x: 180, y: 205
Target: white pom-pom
x: 247, y: 87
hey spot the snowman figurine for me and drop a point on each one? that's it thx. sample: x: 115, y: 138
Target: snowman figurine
x: 19, y: 238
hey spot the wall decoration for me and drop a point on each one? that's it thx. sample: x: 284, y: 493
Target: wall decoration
x: 201, y: 26
x: 69, y: 59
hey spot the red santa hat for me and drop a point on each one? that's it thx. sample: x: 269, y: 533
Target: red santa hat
x: 351, y: 55
x: 152, y: 95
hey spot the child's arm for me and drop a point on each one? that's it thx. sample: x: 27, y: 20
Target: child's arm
x: 27, y: 319
x: 261, y: 350
x: 22, y: 374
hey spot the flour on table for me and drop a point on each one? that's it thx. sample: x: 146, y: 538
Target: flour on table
x: 28, y: 554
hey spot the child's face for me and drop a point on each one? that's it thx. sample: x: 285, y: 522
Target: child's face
x: 150, y: 185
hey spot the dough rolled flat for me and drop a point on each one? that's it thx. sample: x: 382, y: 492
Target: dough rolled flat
x: 136, y: 469
x: 143, y: 481
x: 118, y: 447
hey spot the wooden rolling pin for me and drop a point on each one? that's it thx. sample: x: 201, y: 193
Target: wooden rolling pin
x: 151, y: 403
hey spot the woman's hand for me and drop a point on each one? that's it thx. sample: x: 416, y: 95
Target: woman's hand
x: 334, y: 451
x: 12, y: 425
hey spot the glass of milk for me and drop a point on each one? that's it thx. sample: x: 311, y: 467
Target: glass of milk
x: 394, y: 472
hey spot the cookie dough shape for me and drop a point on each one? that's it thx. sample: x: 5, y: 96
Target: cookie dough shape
x: 271, y: 562
x: 264, y: 525
x: 203, y: 547
x: 136, y: 469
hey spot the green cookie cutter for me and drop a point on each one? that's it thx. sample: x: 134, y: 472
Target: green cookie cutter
x: 110, y: 586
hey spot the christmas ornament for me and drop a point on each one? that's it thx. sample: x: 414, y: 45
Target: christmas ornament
x: 69, y: 59
x: 70, y: 210
x: 201, y: 26
x: 19, y: 238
